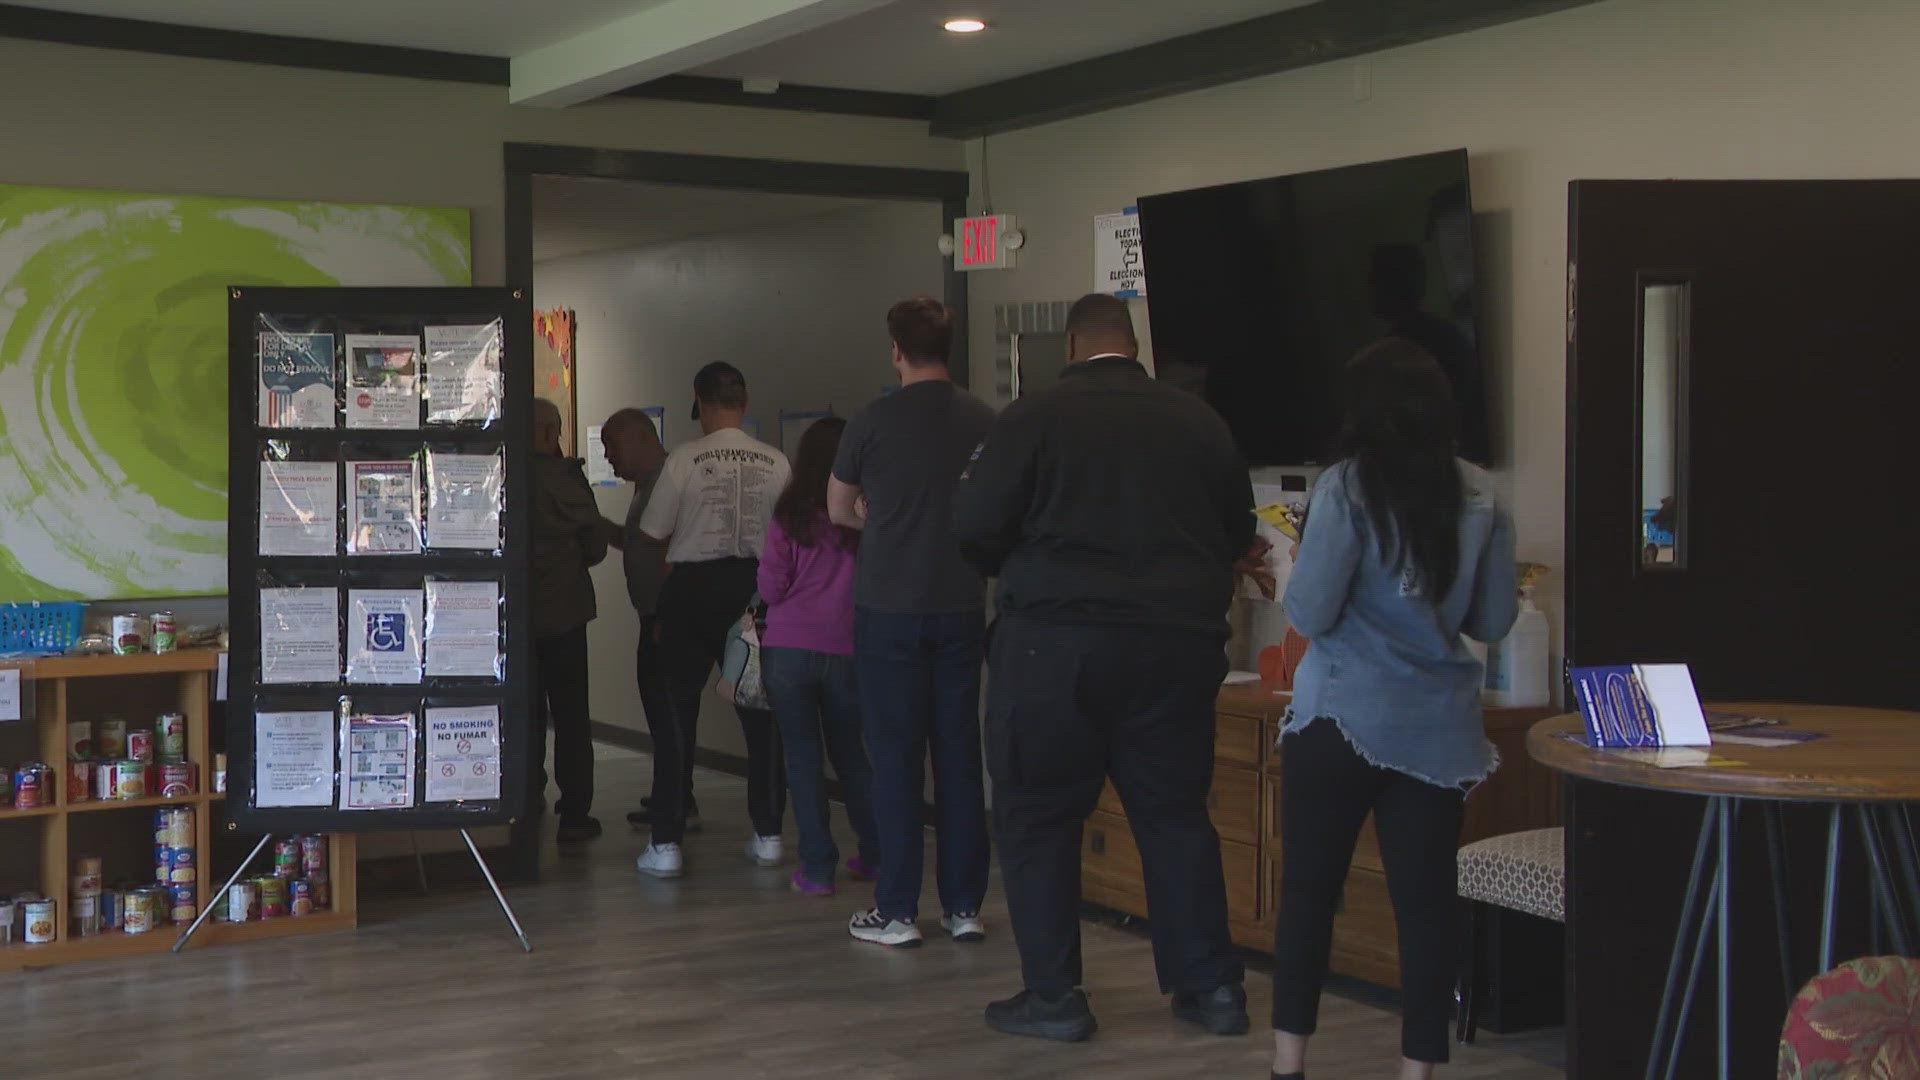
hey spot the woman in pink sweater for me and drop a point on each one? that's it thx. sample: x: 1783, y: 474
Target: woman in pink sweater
x: 806, y: 579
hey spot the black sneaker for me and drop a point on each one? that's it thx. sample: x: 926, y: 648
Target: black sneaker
x: 1026, y: 1013
x: 1223, y: 1011
x: 576, y: 829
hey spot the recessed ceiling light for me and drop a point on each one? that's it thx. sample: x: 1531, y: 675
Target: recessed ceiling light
x: 964, y: 26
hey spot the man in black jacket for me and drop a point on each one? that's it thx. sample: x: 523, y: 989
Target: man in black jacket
x: 1112, y: 509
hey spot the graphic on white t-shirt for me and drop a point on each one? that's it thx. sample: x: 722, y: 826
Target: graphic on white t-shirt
x: 715, y: 497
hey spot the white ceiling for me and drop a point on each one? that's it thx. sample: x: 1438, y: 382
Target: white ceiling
x: 901, y: 47
x: 573, y: 216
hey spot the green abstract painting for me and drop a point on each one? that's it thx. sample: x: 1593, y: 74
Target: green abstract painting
x: 113, y: 368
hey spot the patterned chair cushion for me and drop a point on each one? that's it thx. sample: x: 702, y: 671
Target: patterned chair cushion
x: 1860, y: 1021
x: 1525, y: 871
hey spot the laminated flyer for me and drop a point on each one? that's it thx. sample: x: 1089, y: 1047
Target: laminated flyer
x: 292, y: 759
x: 463, y: 373
x: 383, y: 381
x: 298, y: 514
x: 383, y: 508
x: 10, y: 695
x: 299, y: 635
x: 463, y: 754
x: 383, y: 635
x: 463, y: 628
x: 296, y: 380
x: 463, y: 500
x: 376, y: 762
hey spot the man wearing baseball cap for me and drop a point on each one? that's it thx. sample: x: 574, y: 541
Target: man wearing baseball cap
x: 710, y: 508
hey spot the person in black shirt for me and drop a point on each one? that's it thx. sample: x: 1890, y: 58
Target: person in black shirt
x: 1112, y: 509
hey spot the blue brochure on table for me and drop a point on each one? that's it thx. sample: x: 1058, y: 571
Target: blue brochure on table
x: 1640, y: 705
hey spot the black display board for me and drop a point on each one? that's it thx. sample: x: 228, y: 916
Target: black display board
x: 416, y: 445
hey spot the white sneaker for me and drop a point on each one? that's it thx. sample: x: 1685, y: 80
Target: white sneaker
x: 765, y: 851
x: 965, y: 926
x: 662, y: 861
x: 870, y: 925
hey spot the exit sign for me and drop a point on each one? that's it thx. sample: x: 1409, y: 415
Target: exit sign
x: 980, y: 243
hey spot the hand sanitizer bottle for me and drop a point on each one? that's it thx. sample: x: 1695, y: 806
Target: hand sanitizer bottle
x: 1517, y: 675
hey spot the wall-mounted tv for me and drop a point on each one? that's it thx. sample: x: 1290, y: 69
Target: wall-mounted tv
x: 1259, y: 291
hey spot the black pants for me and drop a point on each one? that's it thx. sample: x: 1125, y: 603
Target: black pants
x: 1069, y: 705
x: 699, y: 604
x: 646, y: 667
x: 560, y: 701
x: 1326, y: 791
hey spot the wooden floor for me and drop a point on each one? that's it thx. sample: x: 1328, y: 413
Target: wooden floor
x: 723, y: 974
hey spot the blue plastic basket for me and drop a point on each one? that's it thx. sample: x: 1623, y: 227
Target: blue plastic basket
x: 40, y: 629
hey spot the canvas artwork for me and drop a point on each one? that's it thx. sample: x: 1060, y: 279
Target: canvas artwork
x: 113, y: 368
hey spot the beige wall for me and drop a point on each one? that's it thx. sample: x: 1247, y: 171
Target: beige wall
x: 798, y: 307
x: 1620, y: 89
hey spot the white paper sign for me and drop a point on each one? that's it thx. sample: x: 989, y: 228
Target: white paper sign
x: 376, y: 766
x: 383, y: 635
x: 1119, y: 265
x: 297, y: 507
x: 383, y: 501
x: 299, y: 635
x: 463, y: 628
x: 463, y: 373
x: 463, y: 500
x: 296, y: 380
x: 383, y: 381
x: 463, y: 754
x: 9, y: 694
x: 599, y: 470
x: 292, y: 759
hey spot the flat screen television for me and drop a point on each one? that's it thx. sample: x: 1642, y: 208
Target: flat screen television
x: 1258, y: 292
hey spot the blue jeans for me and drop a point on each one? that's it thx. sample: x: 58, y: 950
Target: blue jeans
x: 920, y: 688
x: 814, y: 694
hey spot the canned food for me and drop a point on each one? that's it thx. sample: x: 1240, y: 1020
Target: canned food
x: 144, y: 909
x: 42, y: 926
x: 313, y: 854
x: 273, y: 896
x: 180, y: 871
x: 164, y: 638
x: 177, y: 780
x: 86, y: 916
x: 140, y: 744
x: 300, y: 896
x: 322, y: 891
x: 286, y: 858
x: 130, y: 634
x: 110, y: 738
x: 113, y: 909
x: 79, y: 781
x: 86, y: 877
x: 162, y: 864
x: 129, y: 779
x: 173, y: 827
x: 6, y: 786
x: 79, y: 740
x: 184, y: 903
x: 170, y: 729
x: 220, y: 774
x: 243, y: 899
x: 103, y: 780
x: 30, y: 786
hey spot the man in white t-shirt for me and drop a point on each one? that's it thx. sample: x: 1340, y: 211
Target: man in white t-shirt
x: 710, y: 508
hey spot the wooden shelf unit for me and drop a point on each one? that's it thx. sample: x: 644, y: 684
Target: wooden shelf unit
x: 51, y: 683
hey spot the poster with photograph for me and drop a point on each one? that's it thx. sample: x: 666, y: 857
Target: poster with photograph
x: 463, y: 754
x: 463, y: 373
x: 299, y: 636
x: 463, y: 500
x: 298, y: 514
x: 383, y: 381
x: 376, y: 762
x: 383, y: 508
x: 383, y: 635
x: 296, y: 380
x: 292, y: 759
x: 463, y: 629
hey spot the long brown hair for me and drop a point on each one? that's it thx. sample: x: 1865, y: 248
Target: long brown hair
x: 802, y: 507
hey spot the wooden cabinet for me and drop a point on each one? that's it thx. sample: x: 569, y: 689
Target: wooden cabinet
x: 1245, y: 805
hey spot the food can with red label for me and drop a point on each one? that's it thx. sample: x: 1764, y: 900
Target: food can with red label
x: 164, y: 638
x: 173, y: 827
x: 130, y: 779
x: 286, y: 858
x: 79, y: 740
x: 80, y: 781
x: 103, y: 780
x: 313, y: 854
x: 110, y: 738
x: 177, y: 780
x: 180, y: 870
x: 183, y: 903
x: 243, y: 900
x: 30, y: 786
x: 86, y: 877
x: 273, y: 896
x: 170, y: 732
x: 322, y: 891
x: 129, y: 635
x: 140, y: 744
x: 300, y: 894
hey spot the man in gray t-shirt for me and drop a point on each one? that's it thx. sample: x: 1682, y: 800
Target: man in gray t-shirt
x: 919, y: 627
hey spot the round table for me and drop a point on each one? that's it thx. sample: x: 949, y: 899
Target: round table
x: 1866, y: 766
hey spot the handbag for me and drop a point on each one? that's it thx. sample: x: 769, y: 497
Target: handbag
x: 740, y: 680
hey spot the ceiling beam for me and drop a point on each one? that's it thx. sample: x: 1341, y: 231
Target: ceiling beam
x: 664, y: 39
x: 1283, y: 41
x: 710, y: 90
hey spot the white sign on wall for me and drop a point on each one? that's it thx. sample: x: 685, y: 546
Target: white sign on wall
x: 1119, y: 267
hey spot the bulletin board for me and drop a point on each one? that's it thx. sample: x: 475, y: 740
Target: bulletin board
x: 381, y: 646
x: 555, y: 336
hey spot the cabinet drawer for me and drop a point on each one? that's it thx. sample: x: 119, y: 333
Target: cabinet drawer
x: 1110, y: 865
x: 1233, y: 803
x: 1366, y: 847
x: 1365, y: 925
x: 1239, y: 738
x: 1241, y: 865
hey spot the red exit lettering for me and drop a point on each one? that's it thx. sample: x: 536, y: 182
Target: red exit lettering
x: 982, y: 241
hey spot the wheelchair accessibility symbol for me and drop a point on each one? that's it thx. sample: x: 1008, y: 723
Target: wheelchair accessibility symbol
x: 387, y: 632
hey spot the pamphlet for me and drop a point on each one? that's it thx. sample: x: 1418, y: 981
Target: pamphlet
x: 296, y: 380
x: 377, y: 762
x: 1640, y: 705
x: 383, y: 508
x: 463, y: 373
x: 9, y: 695
x: 383, y: 633
x: 299, y: 636
x: 292, y: 759
x: 383, y: 381
x: 297, y: 507
x: 599, y: 470
x: 463, y: 754
x: 463, y: 500
x: 463, y: 628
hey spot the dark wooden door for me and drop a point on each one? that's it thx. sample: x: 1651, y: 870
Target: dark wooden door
x: 1797, y: 434
x: 1786, y: 567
